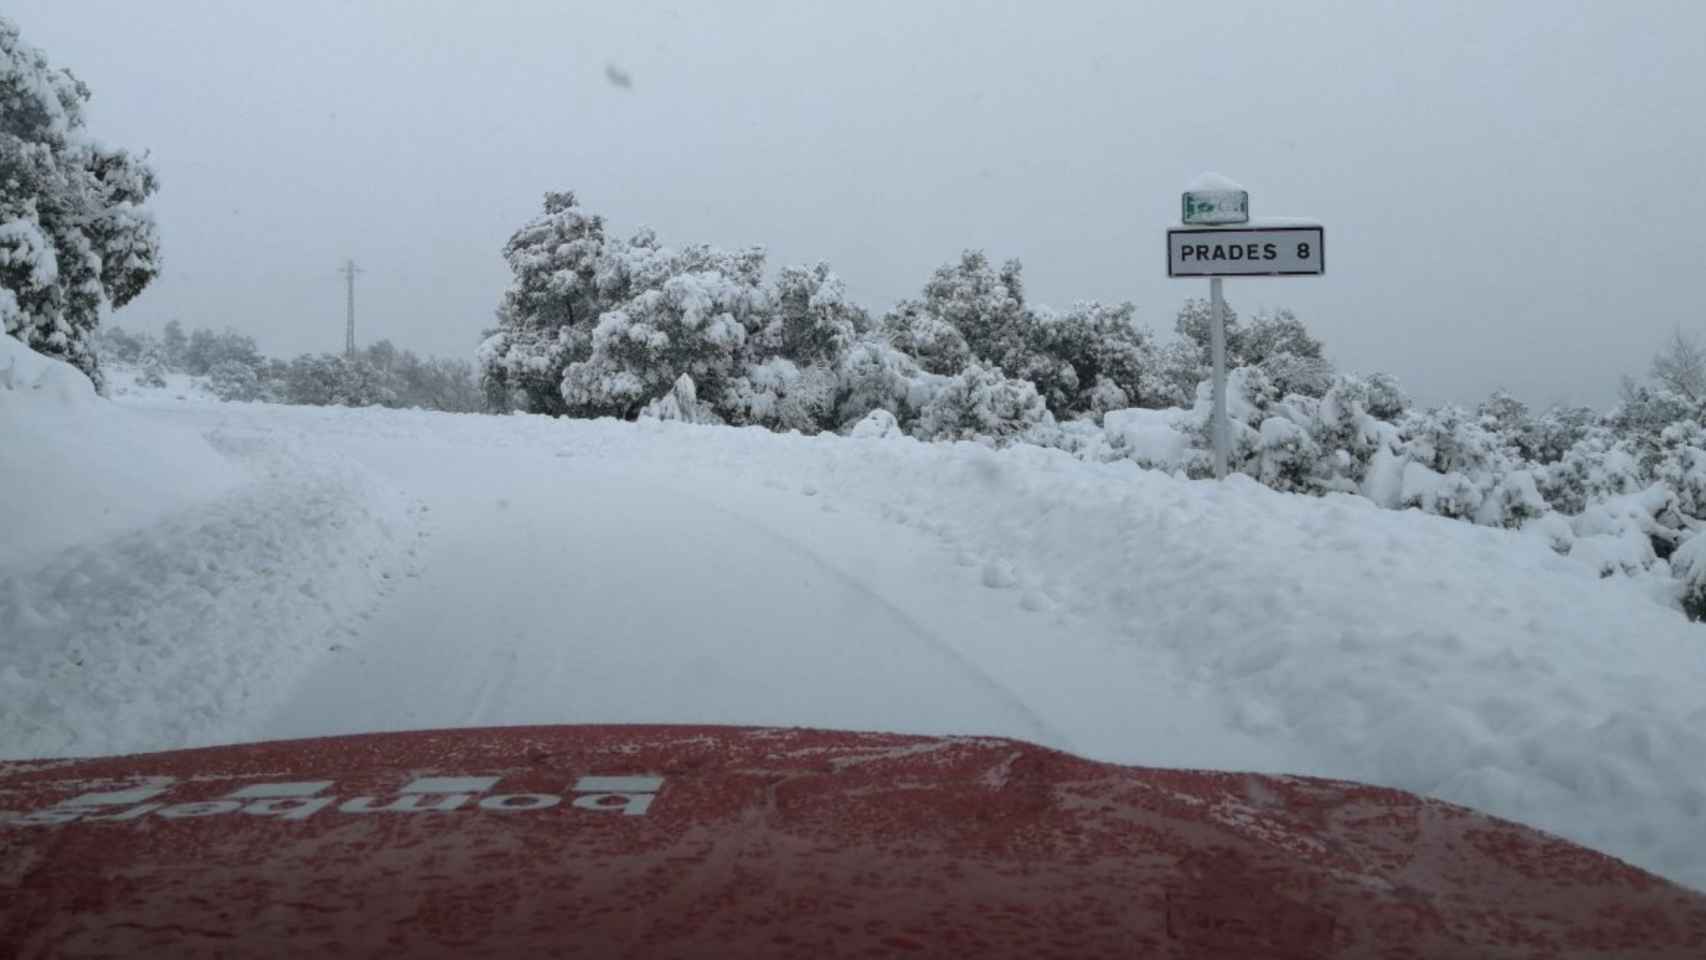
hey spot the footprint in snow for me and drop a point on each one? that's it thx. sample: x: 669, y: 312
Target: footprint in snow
x: 998, y: 574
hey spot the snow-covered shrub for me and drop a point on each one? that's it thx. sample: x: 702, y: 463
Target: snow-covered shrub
x: 780, y: 395
x: 1682, y: 466
x: 153, y: 372
x: 234, y: 380
x: 75, y: 239
x: 1688, y: 565
x: 1287, y: 457
x: 810, y: 320
x: 1293, y: 360
x: 680, y: 403
x: 327, y: 380
x: 695, y: 325
x: 207, y: 350
x: 1627, y: 533
x: 1088, y: 360
x: 981, y: 404
x: 1347, y: 431
x: 115, y: 344
x: 1598, y: 466
x: 875, y: 375
x: 877, y: 425
x: 930, y: 340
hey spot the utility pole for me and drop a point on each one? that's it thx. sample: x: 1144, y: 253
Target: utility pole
x: 349, y: 270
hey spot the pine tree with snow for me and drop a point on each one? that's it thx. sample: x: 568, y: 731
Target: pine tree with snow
x: 811, y: 320
x: 556, y: 260
x: 74, y: 236
x: 970, y: 313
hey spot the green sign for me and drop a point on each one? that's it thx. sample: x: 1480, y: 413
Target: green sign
x: 1215, y: 206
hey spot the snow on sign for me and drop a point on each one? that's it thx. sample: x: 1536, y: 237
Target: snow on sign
x: 1291, y: 250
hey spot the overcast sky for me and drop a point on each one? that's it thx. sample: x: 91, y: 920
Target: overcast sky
x: 1513, y: 192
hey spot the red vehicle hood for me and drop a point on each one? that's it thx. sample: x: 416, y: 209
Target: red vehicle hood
x: 733, y: 842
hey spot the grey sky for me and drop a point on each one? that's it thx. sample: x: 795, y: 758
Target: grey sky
x: 1513, y: 192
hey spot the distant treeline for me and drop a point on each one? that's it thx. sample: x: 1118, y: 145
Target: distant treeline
x: 378, y: 375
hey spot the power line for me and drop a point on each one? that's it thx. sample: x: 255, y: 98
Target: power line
x: 349, y: 270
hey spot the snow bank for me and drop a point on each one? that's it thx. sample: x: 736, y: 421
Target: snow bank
x: 159, y: 586
x: 76, y: 467
x: 1472, y: 664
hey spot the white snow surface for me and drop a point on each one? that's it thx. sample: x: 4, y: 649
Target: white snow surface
x: 76, y: 468
x: 382, y: 569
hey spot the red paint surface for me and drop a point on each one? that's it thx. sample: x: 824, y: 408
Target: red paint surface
x: 796, y: 843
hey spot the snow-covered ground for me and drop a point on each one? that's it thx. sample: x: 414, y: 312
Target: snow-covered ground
x: 378, y: 569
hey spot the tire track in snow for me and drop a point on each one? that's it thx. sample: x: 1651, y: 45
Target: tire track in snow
x: 1045, y: 732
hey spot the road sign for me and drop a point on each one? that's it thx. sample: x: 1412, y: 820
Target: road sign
x: 1282, y: 251
x: 1215, y: 206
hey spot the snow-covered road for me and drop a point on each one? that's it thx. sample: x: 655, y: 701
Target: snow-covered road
x: 562, y: 584
x: 380, y: 570
x: 583, y: 595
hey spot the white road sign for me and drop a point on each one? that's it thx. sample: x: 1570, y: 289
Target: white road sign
x: 1289, y: 251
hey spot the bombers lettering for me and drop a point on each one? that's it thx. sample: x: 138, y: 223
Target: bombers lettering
x: 1229, y: 251
x: 299, y: 800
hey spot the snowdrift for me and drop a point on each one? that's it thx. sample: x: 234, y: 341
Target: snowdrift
x: 161, y: 583
x: 78, y: 468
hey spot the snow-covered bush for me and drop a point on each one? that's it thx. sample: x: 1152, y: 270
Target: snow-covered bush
x: 75, y: 239
x: 877, y: 425
x: 782, y: 396
x: 234, y: 380
x: 153, y: 372
x: 933, y: 342
x: 327, y: 380
x: 981, y: 404
x: 1688, y: 565
x: 876, y: 375
x: 810, y: 320
x: 695, y: 325
x: 207, y: 350
x: 1088, y: 360
x: 681, y: 403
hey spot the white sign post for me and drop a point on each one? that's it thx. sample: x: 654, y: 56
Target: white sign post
x: 1220, y: 240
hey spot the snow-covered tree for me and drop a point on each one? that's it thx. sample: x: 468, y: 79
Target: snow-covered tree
x: 115, y: 344
x: 874, y: 374
x: 934, y: 342
x: 1680, y: 367
x: 695, y: 325
x: 555, y: 260
x: 74, y: 237
x: 329, y: 380
x: 234, y: 380
x: 981, y: 404
x: 970, y: 313
x: 153, y: 373
x: 810, y: 319
x: 174, y: 344
x: 1091, y: 359
x: 1278, y: 342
